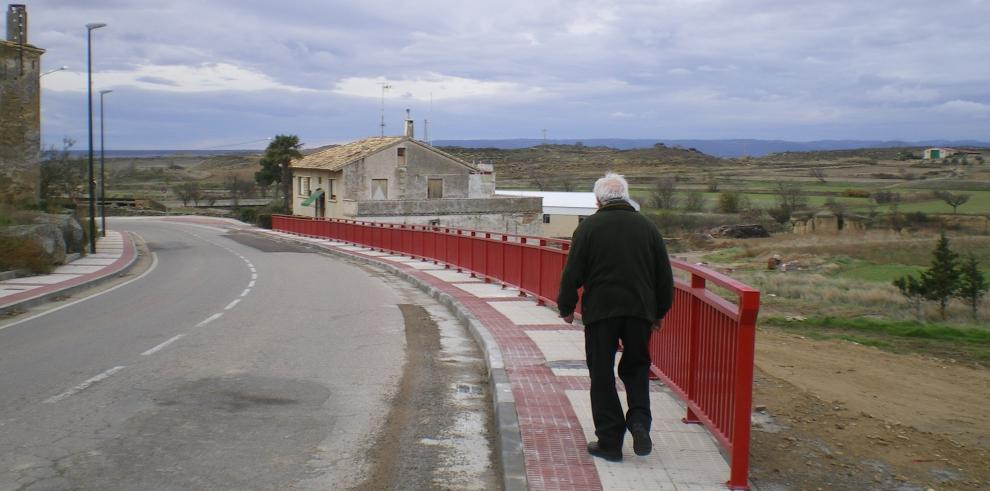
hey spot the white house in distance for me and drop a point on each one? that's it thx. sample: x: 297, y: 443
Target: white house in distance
x: 398, y: 179
x: 944, y: 153
x: 562, y: 211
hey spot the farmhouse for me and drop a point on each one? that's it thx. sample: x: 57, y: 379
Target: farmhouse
x: 944, y: 153
x: 561, y: 211
x: 20, y: 105
x: 398, y: 179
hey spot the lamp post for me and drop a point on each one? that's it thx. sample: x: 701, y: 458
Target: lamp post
x: 89, y: 96
x: 103, y: 176
x: 53, y: 70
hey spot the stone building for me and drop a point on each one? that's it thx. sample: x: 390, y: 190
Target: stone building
x: 20, y: 109
x: 398, y: 179
x: 826, y: 222
x: 562, y: 211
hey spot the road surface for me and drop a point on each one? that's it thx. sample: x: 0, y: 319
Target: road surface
x: 238, y: 362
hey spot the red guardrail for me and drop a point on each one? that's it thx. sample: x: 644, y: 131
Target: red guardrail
x: 704, y: 352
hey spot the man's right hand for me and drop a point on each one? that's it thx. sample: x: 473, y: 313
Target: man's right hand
x: 569, y: 318
x: 657, y: 325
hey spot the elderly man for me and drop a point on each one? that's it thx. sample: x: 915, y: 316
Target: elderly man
x: 618, y: 257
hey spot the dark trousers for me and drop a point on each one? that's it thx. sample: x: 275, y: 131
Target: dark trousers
x: 601, y: 340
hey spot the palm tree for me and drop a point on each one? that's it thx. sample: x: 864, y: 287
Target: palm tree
x: 275, y: 165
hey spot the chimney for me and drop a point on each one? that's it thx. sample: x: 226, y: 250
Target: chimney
x: 17, y: 23
x: 409, y: 126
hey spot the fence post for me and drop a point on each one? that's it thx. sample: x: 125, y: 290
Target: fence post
x: 749, y: 303
x: 697, y: 292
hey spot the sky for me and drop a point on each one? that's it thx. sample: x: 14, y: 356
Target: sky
x: 212, y: 74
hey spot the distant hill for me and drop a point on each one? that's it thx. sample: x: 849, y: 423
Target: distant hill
x: 719, y: 148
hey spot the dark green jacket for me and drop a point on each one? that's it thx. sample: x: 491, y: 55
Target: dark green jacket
x: 619, y: 258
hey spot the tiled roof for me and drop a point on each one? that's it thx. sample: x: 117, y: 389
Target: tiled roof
x: 336, y: 158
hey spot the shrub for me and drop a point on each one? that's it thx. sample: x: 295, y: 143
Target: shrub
x: 22, y: 253
x: 856, y: 193
x: 729, y: 202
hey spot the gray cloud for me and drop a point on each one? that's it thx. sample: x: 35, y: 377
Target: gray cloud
x: 702, y: 69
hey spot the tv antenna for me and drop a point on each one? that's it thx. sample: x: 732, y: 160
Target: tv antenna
x: 385, y: 86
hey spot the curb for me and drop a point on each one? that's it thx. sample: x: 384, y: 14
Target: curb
x: 47, y: 297
x: 506, y: 418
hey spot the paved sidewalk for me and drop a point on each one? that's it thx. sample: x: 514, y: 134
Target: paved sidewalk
x: 543, y: 358
x: 114, y: 253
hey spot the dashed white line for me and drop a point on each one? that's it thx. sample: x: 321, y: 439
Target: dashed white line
x: 232, y: 304
x: 83, y: 386
x: 251, y: 284
x: 163, y: 345
x: 210, y: 319
x: 254, y: 276
x: 245, y: 292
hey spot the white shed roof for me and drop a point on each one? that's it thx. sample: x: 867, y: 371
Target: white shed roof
x: 558, y: 202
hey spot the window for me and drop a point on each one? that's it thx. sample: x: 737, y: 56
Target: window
x: 400, y: 154
x: 303, y: 186
x: 434, y: 189
x: 379, y: 189
x: 546, y: 218
x: 330, y: 190
x: 319, y: 180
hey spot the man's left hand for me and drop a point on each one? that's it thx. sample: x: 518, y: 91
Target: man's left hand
x: 569, y: 318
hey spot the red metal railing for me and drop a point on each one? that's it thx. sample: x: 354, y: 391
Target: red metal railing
x: 704, y: 352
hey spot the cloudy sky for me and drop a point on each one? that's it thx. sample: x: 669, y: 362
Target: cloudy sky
x: 215, y: 74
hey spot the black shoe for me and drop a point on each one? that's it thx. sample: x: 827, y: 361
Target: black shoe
x: 611, y: 455
x: 642, y: 444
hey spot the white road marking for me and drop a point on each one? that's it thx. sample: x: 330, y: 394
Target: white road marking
x: 254, y: 276
x: 251, y: 284
x: 154, y: 264
x: 245, y: 292
x: 83, y: 386
x: 210, y: 319
x: 158, y: 348
x: 232, y: 304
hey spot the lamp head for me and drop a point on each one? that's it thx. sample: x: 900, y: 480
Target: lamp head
x: 105, y: 92
x: 95, y: 25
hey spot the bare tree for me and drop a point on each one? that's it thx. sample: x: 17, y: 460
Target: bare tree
x: 237, y: 188
x: 818, y: 173
x: 663, y: 196
x: 62, y: 175
x: 953, y: 200
x: 188, y: 191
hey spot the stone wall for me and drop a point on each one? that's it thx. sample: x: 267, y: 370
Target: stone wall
x: 450, y: 206
x: 513, y: 215
x: 20, y: 119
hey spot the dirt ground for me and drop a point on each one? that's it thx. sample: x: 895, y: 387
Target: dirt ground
x: 836, y: 415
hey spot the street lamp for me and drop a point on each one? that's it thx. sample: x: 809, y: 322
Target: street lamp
x: 103, y: 177
x: 89, y: 95
x: 53, y: 70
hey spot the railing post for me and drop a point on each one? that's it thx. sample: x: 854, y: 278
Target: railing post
x: 697, y: 292
x: 749, y: 303
x: 539, y: 273
x: 522, y: 256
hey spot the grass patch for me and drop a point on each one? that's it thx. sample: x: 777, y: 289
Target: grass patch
x: 894, y: 328
x: 883, y: 273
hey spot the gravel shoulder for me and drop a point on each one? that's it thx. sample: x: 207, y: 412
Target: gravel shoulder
x: 836, y: 415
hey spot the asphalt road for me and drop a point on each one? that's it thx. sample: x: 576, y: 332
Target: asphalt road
x: 236, y: 362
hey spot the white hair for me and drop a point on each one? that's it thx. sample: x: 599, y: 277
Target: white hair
x: 612, y: 187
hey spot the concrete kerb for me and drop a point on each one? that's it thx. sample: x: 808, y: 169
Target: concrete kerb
x: 506, y: 418
x: 50, y: 296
